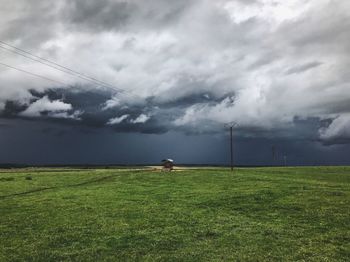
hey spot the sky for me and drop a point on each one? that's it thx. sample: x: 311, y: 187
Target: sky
x: 162, y: 78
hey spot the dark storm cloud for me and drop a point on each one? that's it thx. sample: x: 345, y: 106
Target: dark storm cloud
x: 90, y: 105
x: 12, y: 109
x: 29, y: 142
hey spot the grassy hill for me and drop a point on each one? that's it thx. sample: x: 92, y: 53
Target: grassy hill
x: 257, y: 214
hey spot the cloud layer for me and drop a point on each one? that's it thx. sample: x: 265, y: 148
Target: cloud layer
x: 269, y: 65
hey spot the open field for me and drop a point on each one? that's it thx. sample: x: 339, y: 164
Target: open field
x: 257, y: 214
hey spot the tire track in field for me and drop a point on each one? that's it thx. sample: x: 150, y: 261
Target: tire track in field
x: 67, y: 186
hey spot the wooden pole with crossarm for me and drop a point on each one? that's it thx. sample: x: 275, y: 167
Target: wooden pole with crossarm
x: 231, y: 125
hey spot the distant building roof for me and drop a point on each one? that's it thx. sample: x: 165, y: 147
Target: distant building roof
x: 168, y: 160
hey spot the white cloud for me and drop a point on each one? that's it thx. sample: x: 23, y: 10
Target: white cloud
x: 113, y: 102
x: 273, y: 11
x: 117, y: 120
x: 140, y: 119
x: 75, y: 115
x: 55, y: 109
x: 339, y: 129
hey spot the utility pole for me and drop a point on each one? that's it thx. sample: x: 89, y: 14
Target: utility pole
x: 273, y: 149
x: 231, y: 145
x: 285, y: 160
x: 231, y: 125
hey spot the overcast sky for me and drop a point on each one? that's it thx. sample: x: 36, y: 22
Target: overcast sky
x: 174, y: 72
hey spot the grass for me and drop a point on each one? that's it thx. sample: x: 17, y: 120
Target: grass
x: 260, y: 214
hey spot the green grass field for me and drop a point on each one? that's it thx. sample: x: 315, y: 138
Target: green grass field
x: 255, y: 214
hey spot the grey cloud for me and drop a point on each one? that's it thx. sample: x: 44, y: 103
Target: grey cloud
x: 99, y: 15
x: 303, y: 68
x: 321, y: 27
x: 264, y: 60
x: 122, y: 15
x: 29, y: 22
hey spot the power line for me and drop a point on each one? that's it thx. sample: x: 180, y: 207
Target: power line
x: 56, y: 66
x: 38, y: 61
x: 61, y: 68
x: 33, y: 74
